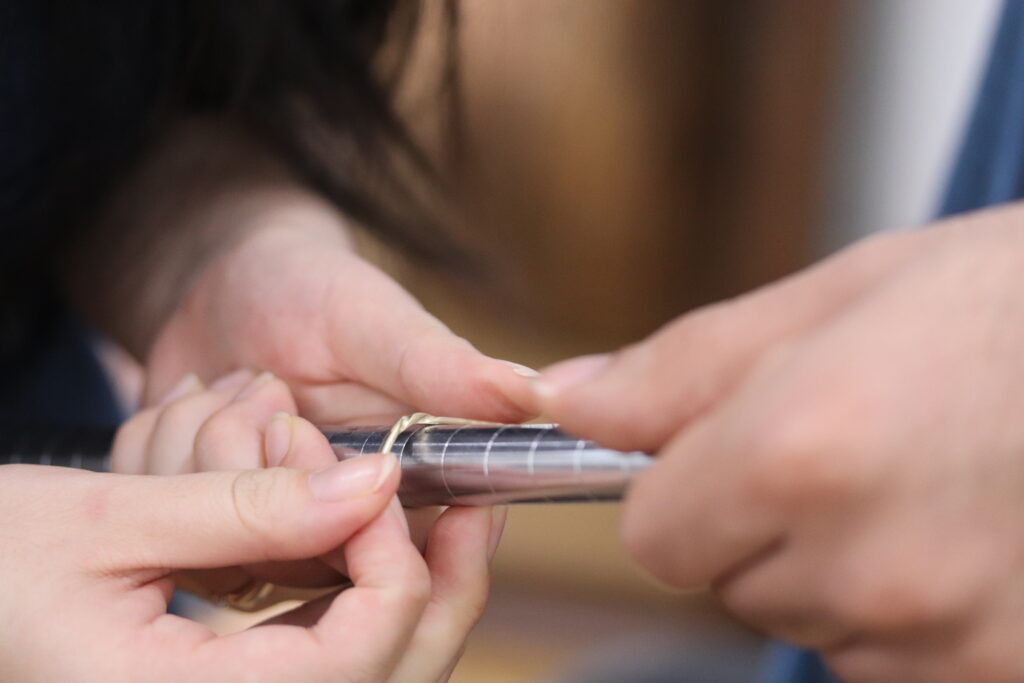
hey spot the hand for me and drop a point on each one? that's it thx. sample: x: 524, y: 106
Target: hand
x: 210, y: 257
x: 89, y: 562
x: 841, y: 454
x: 242, y: 421
x: 293, y: 299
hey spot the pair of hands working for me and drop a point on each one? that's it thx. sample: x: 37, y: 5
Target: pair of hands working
x: 90, y: 560
x: 840, y: 460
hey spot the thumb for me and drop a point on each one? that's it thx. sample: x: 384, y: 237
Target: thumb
x: 642, y: 395
x: 219, y: 519
x: 403, y: 350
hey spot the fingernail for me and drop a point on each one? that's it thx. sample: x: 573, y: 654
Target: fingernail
x: 233, y: 380
x: 261, y: 380
x: 278, y: 439
x: 395, y: 506
x: 522, y: 370
x: 351, y: 478
x: 186, y: 385
x: 498, y: 515
x: 570, y: 373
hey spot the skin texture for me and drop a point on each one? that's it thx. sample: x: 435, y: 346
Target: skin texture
x: 841, y: 455
x: 109, y: 547
x: 293, y: 299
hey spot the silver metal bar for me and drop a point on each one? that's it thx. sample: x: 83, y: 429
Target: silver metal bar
x: 470, y: 465
x: 441, y: 464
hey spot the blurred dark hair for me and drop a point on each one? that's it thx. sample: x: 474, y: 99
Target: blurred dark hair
x: 301, y: 75
x: 95, y: 82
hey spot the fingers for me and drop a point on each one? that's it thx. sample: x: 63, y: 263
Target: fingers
x: 392, y: 587
x: 782, y: 593
x: 404, y: 351
x: 131, y: 451
x: 308, y: 449
x: 170, y: 448
x: 130, y: 448
x: 458, y: 552
x: 691, y: 516
x: 642, y: 395
x: 219, y: 519
x: 219, y: 428
x: 763, y: 463
x: 293, y: 442
x: 462, y: 543
x: 358, y: 635
x: 233, y: 426
x: 234, y: 438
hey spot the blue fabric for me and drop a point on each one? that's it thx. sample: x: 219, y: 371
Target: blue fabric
x: 989, y: 170
x: 990, y: 166
x: 785, y: 664
x: 60, y: 383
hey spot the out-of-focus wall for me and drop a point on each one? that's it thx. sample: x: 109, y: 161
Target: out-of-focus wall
x: 907, y: 74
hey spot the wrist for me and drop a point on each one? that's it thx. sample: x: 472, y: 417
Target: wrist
x: 202, y: 195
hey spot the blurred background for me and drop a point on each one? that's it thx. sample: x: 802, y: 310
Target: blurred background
x: 623, y: 161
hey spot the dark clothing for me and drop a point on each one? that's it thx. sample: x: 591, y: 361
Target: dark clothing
x: 78, y: 86
x: 71, y: 117
x: 60, y: 383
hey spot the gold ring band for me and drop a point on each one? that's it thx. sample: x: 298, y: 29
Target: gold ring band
x: 417, y: 419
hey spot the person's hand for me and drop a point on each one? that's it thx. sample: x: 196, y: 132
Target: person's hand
x: 242, y: 421
x: 89, y: 562
x: 293, y: 298
x: 841, y: 454
x: 290, y: 296
x: 211, y: 257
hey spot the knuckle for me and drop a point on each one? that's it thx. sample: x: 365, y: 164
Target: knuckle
x: 695, y: 325
x: 181, y: 412
x: 891, y: 601
x: 257, y: 496
x: 645, y: 542
x: 474, y: 608
x: 697, y: 332
x: 128, y: 450
x: 215, y: 431
x: 219, y: 439
x: 277, y: 389
x: 463, y: 611
x: 410, y: 595
x: 804, y: 457
x: 637, y: 536
x: 417, y: 587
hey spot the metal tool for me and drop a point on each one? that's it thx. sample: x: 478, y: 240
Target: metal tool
x: 442, y: 464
